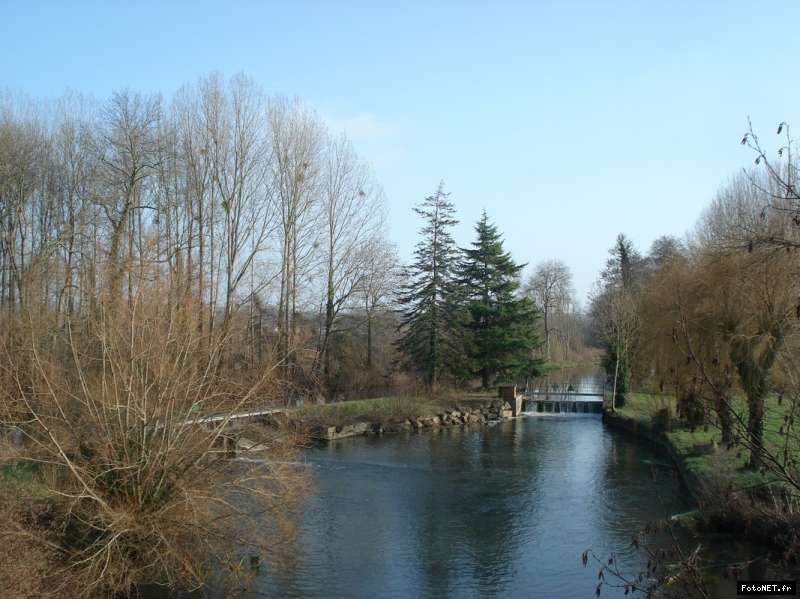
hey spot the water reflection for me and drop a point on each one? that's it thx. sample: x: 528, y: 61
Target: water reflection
x: 501, y: 511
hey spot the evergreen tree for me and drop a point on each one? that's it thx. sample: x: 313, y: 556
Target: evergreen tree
x: 625, y: 266
x: 432, y: 323
x: 614, y: 313
x: 502, y: 325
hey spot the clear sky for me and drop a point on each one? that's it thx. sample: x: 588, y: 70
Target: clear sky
x: 569, y: 122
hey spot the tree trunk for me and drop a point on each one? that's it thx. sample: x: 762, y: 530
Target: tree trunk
x: 725, y: 419
x: 369, y: 343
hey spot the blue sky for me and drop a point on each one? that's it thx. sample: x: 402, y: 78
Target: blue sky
x: 569, y: 122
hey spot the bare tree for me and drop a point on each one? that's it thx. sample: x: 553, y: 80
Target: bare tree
x: 550, y: 288
x: 126, y: 144
x: 297, y: 139
x: 616, y: 318
x: 352, y: 215
x: 378, y: 286
x: 239, y: 173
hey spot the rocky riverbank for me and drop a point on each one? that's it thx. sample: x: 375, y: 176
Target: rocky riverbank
x: 461, y: 415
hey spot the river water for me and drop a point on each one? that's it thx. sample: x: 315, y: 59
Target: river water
x: 497, y: 511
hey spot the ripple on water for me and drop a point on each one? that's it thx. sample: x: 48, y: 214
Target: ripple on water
x: 502, y: 511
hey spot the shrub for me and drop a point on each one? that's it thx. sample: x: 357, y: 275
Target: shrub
x: 133, y: 487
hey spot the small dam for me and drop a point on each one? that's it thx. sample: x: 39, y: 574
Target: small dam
x: 564, y: 398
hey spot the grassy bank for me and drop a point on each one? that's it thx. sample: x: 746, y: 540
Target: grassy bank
x: 700, y: 448
x: 380, y: 409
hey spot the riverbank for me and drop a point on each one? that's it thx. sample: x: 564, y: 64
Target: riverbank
x: 730, y: 497
x: 329, y: 422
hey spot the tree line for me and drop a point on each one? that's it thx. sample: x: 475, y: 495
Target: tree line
x: 714, y: 317
x: 269, y: 232
x: 163, y: 261
x: 245, y: 210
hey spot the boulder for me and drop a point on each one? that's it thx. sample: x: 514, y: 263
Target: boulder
x: 345, y: 431
x: 361, y: 428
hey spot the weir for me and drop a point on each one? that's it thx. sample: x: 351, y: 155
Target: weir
x: 546, y: 397
x: 559, y: 406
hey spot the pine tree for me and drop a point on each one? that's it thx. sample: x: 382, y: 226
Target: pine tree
x: 432, y: 322
x: 502, y: 325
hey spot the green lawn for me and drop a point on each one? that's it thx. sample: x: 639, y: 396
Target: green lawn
x: 727, y: 466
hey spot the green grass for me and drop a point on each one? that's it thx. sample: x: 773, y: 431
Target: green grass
x: 726, y: 466
x: 381, y: 409
x: 20, y: 478
x: 643, y: 406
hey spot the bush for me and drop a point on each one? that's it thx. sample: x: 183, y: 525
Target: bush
x: 130, y: 488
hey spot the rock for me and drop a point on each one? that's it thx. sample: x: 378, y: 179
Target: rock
x: 324, y: 432
x: 377, y: 428
x: 455, y: 414
x: 361, y: 428
x: 344, y: 431
x: 506, y: 413
x: 244, y: 444
x: 392, y: 427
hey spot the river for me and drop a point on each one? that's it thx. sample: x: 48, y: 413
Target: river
x: 499, y: 511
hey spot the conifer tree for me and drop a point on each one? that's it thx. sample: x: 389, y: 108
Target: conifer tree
x: 502, y: 326
x: 432, y: 323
